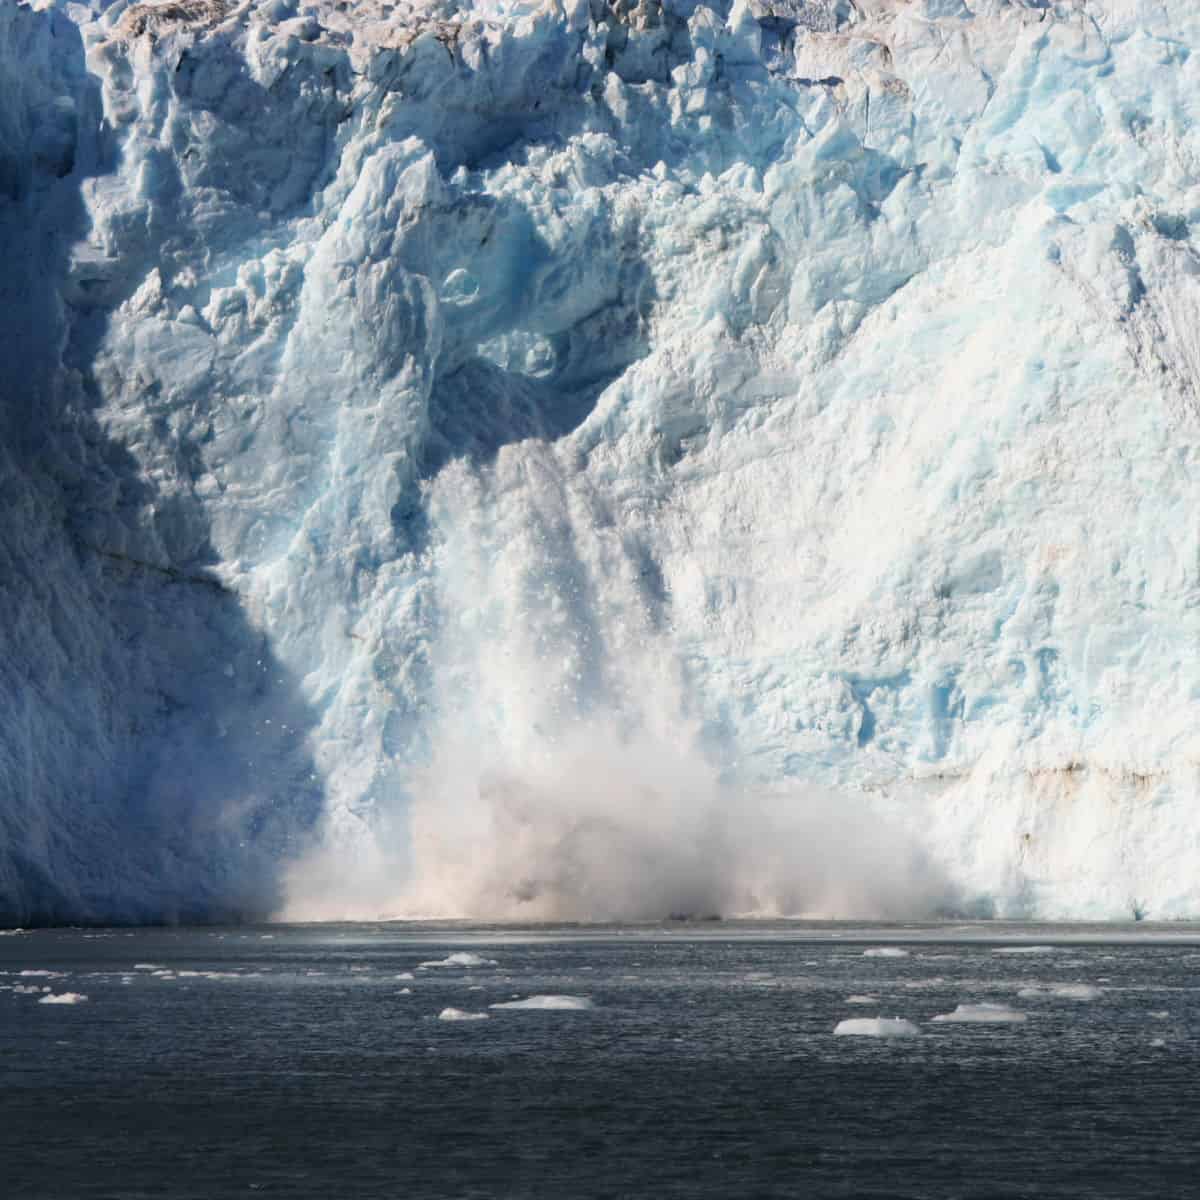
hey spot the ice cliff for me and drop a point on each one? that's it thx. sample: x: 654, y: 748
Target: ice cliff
x: 460, y: 458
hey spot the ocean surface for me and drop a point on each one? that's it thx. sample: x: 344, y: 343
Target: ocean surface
x: 700, y: 1060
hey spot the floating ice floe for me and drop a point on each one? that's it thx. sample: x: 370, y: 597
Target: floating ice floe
x: 31, y: 989
x: 879, y: 1027
x: 458, y: 1014
x: 148, y: 966
x: 885, y: 952
x: 862, y: 999
x: 460, y: 958
x: 1023, y: 950
x: 42, y: 974
x: 404, y: 992
x: 982, y: 1014
x: 547, y: 1003
x: 64, y: 998
x: 1061, y: 991
x: 404, y: 975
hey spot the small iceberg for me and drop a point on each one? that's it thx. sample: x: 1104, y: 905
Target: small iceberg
x: 885, y: 952
x: 547, y: 1003
x: 862, y: 999
x: 458, y: 1014
x: 64, y: 998
x: 1023, y: 950
x: 878, y: 1027
x: 1061, y: 991
x: 982, y: 1014
x: 461, y: 958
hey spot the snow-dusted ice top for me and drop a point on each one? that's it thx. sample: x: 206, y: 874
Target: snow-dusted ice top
x: 462, y: 452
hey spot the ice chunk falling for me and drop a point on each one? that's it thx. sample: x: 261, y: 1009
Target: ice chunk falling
x: 536, y: 460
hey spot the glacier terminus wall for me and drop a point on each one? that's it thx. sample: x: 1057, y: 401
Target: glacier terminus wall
x: 599, y: 459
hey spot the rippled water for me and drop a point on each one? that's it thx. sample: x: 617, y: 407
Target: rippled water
x: 300, y: 1062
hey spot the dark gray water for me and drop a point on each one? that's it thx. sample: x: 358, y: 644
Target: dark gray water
x: 289, y: 1061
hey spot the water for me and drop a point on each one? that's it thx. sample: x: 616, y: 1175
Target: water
x: 293, y: 1065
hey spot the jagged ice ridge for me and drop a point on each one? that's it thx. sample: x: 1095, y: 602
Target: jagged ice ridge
x: 448, y: 450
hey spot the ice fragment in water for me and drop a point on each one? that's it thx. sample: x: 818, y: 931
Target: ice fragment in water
x: 1061, y: 991
x: 547, y: 1003
x: 458, y: 1014
x: 982, y: 1014
x: 878, y: 1027
x: 460, y: 959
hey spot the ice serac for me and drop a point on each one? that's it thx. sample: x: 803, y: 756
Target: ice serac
x: 519, y: 459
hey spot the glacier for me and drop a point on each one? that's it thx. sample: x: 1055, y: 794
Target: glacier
x: 599, y: 458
